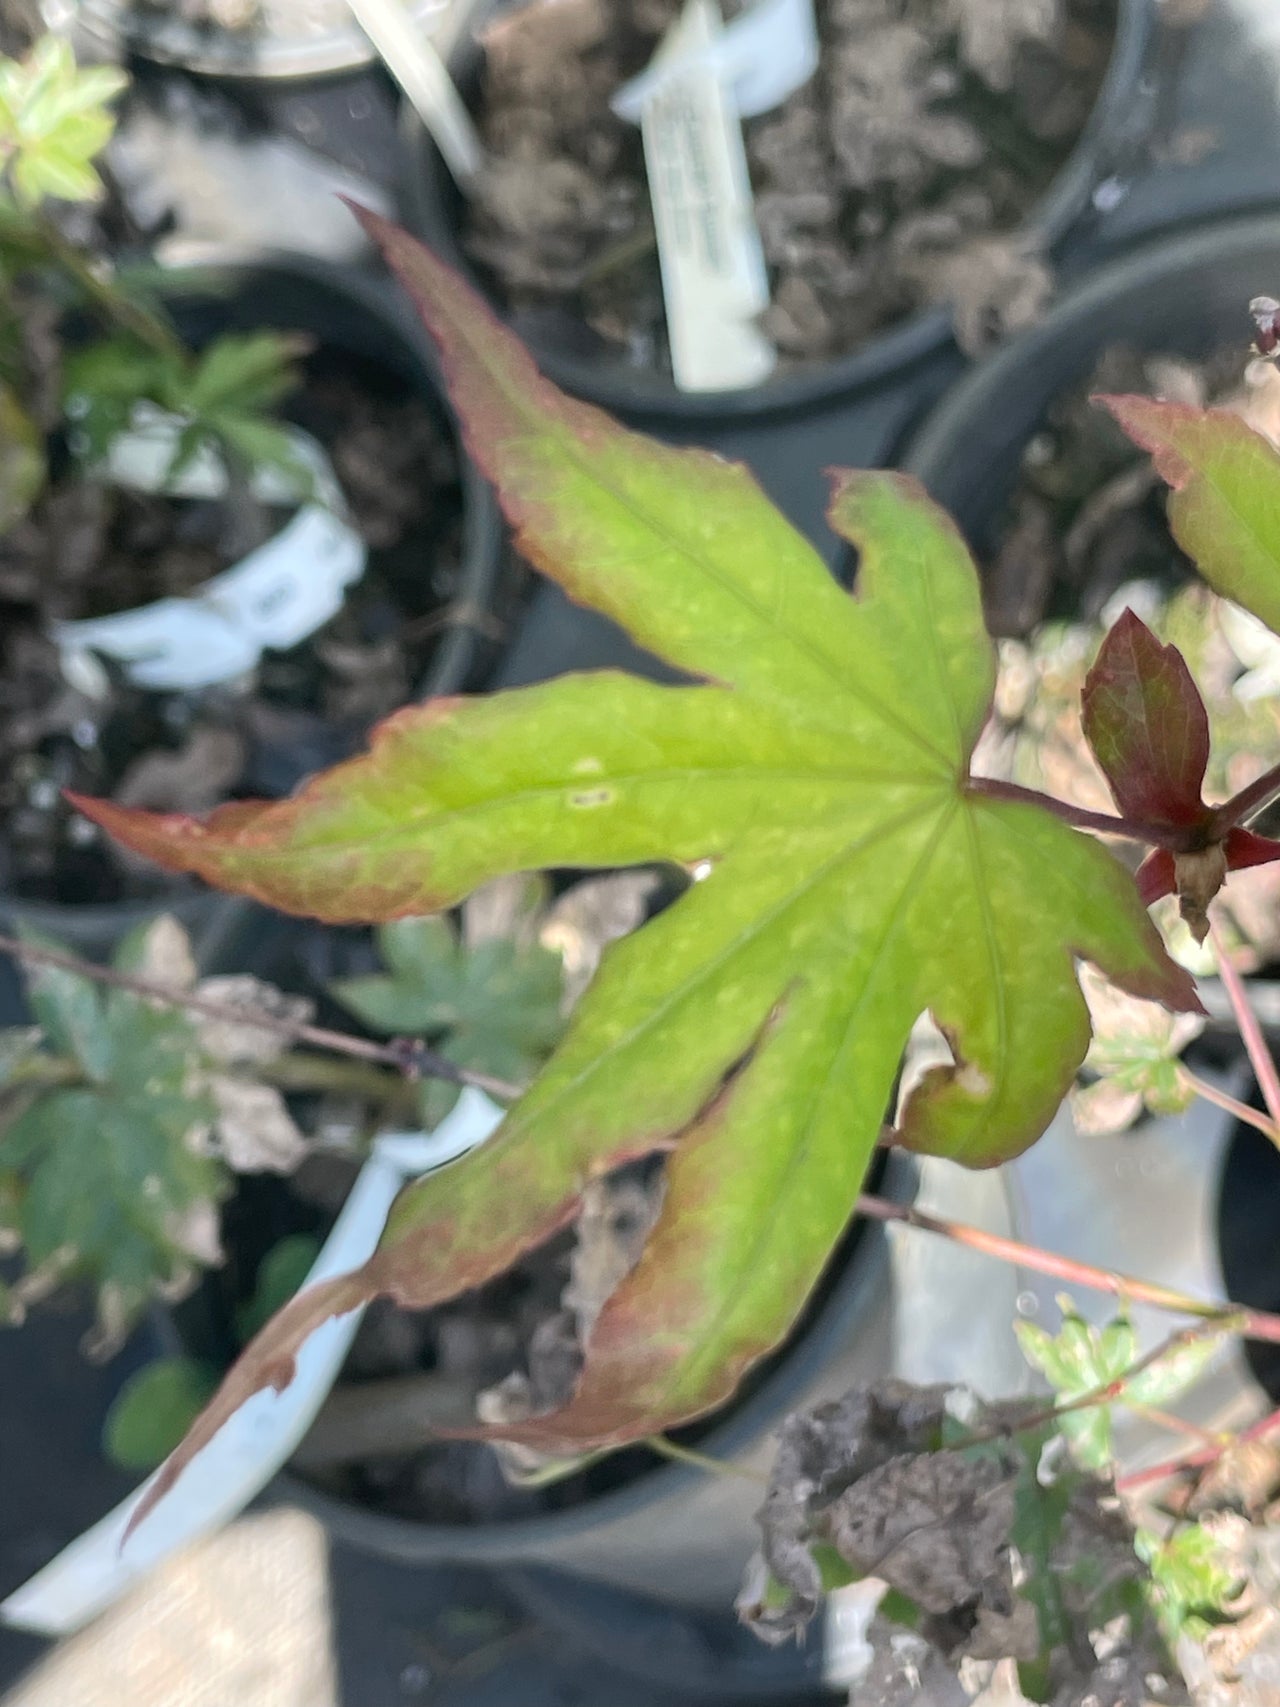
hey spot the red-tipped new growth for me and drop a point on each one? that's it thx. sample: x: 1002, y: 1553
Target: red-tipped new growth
x: 1146, y: 722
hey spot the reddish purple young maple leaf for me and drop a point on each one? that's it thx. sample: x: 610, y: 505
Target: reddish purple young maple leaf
x: 1149, y: 731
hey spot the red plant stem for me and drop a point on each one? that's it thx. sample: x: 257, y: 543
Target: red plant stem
x: 1255, y: 1044
x: 1252, y: 1324
x: 1114, y: 1389
x: 1232, y: 1105
x: 1177, y: 1425
x: 1246, y: 803
x: 1159, y: 835
x: 1197, y: 1460
x: 408, y: 1056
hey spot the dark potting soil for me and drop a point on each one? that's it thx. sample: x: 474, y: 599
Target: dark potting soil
x: 929, y: 132
x: 1087, y: 513
x: 88, y: 550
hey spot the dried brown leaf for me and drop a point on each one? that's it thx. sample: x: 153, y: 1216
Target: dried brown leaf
x: 254, y: 1131
x: 228, y: 1042
x: 582, y: 923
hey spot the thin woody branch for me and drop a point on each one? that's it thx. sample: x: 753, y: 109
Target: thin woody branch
x: 411, y: 1058
x: 1202, y: 1458
x: 1251, y: 1324
x: 1255, y: 1043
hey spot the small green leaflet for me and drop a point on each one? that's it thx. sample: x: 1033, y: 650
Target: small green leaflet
x: 1135, y: 1055
x: 1081, y: 1358
x: 494, y: 1008
x: 1077, y: 1360
x: 54, y: 118
x: 107, y: 1175
x: 224, y: 396
x: 1190, y: 1580
x: 814, y: 778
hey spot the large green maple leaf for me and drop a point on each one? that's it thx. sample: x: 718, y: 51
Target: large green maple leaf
x: 814, y: 777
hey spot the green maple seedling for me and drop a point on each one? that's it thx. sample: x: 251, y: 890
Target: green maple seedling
x: 848, y: 875
x: 55, y: 119
x: 123, y: 1119
x: 851, y: 876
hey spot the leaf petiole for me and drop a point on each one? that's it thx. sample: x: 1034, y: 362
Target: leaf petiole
x: 1232, y: 1105
x: 1249, y: 801
x: 1080, y: 818
x: 1252, y: 1324
x: 1178, y: 1425
x: 1260, y: 1058
x: 666, y: 1448
x: 1199, y: 1459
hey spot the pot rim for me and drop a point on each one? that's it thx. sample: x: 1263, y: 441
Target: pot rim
x: 424, y: 189
x: 231, y: 272
x: 983, y: 391
x: 453, y: 664
x: 217, y: 51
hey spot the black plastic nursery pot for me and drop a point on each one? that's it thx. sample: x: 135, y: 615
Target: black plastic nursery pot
x: 346, y: 319
x: 1247, y: 1207
x: 1181, y: 295
x: 281, y: 39
x: 431, y: 205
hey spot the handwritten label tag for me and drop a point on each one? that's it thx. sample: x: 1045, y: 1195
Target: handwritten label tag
x: 713, y: 274
x: 275, y: 597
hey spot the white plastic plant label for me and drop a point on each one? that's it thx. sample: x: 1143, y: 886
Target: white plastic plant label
x: 99, y: 1566
x: 767, y: 53
x: 714, y: 282
x: 275, y: 597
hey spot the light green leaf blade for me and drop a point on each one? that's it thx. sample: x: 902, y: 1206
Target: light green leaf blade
x: 54, y: 119
x: 1191, y: 1580
x: 1173, y: 1373
x: 1089, y: 1434
x: 388, y: 1006
x: 422, y: 953
x: 71, y: 1010
x: 243, y: 371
